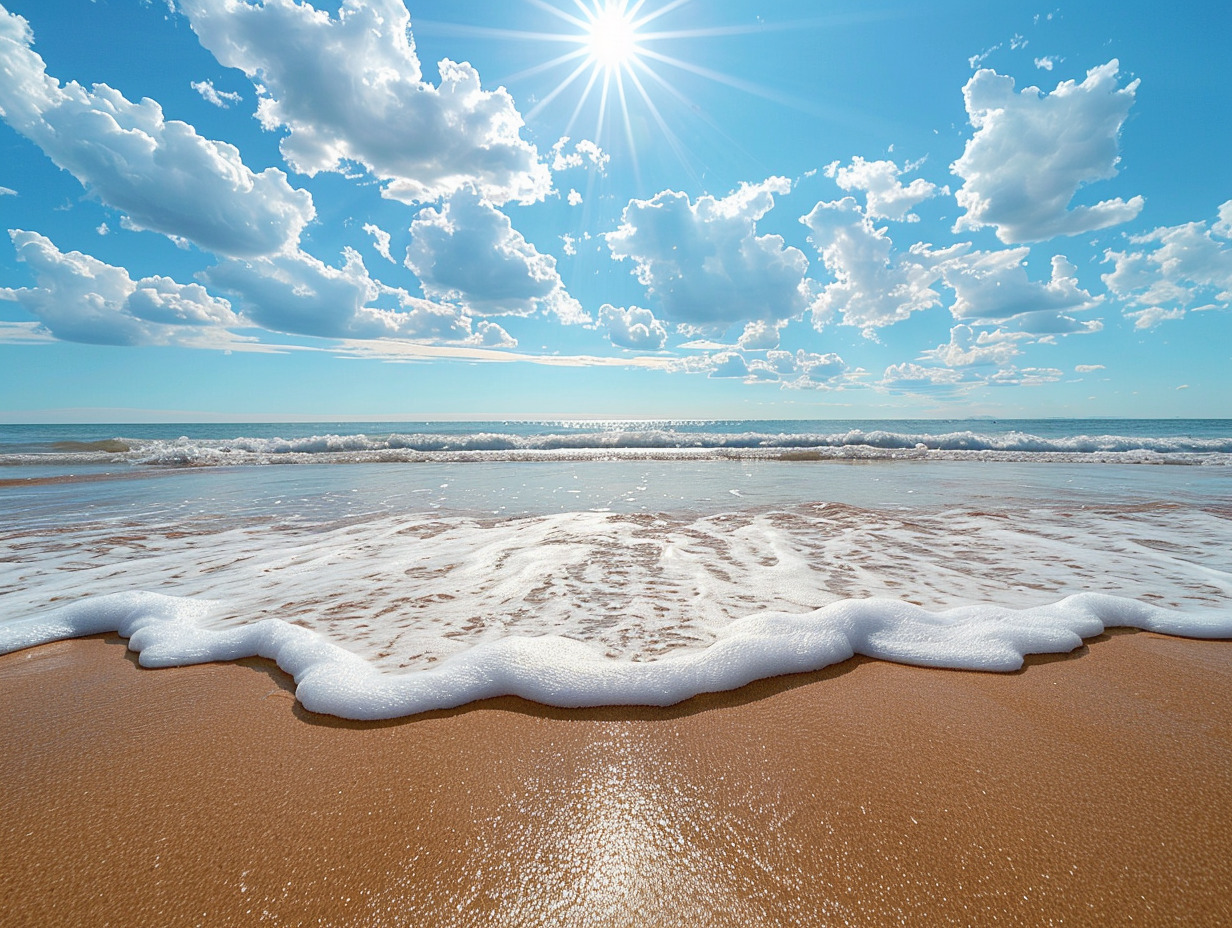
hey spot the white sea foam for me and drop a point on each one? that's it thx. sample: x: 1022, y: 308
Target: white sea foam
x: 379, y: 614
x: 559, y: 671
x: 649, y: 443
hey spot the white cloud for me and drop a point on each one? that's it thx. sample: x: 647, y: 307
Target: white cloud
x: 584, y: 152
x: 871, y: 288
x: 887, y: 198
x: 211, y: 94
x: 1047, y: 63
x: 1152, y: 316
x: 794, y: 370
x: 1024, y: 377
x: 25, y: 333
x: 7, y: 192
x: 349, y: 89
x: 490, y: 335
x: 468, y: 251
x: 299, y: 294
x: 632, y: 328
x: 1223, y: 227
x: 820, y: 368
x: 728, y: 364
x: 966, y: 348
x: 1031, y: 152
x: 380, y: 241
x: 759, y: 336
x: 1087, y: 368
x: 81, y: 299
x: 159, y: 172
x: 976, y: 60
x: 575, y: 198
x: 705, y: 263
x: 992, y: 286
x: 1181, y: 266
x: 914, y: 378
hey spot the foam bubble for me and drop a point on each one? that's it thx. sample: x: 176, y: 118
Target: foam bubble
x: 558, y: 671
x: 645, y: 443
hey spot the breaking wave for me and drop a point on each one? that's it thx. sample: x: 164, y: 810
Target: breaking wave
x: 647, y: 443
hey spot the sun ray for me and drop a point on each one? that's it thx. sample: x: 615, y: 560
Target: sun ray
x: 435, y: 27
x: 624, y: 111
x: 748, y: 87
x: 549, y: 65
x: 612, y: 41
x: 666, y: 8
x: 700, y: 113
x: 560, y: 88
x: 672, y: 141
x: 557, y: 11
x: 607, y: 81
x: 594, y: 75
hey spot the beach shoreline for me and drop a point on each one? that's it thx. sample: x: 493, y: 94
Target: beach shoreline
x: 1091, y: 788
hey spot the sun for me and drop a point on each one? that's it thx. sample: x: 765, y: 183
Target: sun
x: 614, y: 51
x: 611, y: 36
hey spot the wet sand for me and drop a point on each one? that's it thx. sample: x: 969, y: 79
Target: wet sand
x: 1089, y: 790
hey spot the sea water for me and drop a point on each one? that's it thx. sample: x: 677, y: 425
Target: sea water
x: 394, y: 568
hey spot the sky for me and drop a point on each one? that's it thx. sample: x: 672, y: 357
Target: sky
x: 246, y: 209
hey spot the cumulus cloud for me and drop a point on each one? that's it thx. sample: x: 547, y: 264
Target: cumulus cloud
x: 490, y: 335
x: 871, y: 287
x: 585, y: 152
x: 212, y: 95
x: 793, y: 370
x: 299, y: 294
x: 574, y: 198
x: 967, y: 348
x: 160, y: 173
x: 1222, y: 227
x: 468, y: 251
x: 1174, y: 269
x: 81, y: 299
x: 993, y: 286
x: 632, y: 328
x: 916, y: 378
x: 759, y: 336
x: 1032, y: 151
x: 799, y: 369
x: 728, y: 364
x: 1047, y: 63
x: 887, y: 198
x: 1024, y: 377
x: 380, y: 241
x: 350, y: 90
x: 705, y: 263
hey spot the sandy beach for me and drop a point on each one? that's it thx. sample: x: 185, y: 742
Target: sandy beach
x: 1092, y: 789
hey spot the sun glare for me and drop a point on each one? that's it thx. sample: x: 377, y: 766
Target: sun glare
x: 616, y: 55
x: 611, y: 36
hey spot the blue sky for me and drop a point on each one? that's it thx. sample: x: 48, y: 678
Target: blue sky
x: 728, y: 208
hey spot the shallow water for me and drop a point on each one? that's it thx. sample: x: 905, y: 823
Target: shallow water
x: 609, y: 580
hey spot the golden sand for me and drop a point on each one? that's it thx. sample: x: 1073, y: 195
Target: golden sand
x: 1095, y: 790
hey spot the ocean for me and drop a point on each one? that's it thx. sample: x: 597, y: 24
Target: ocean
x: 393, y: 568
